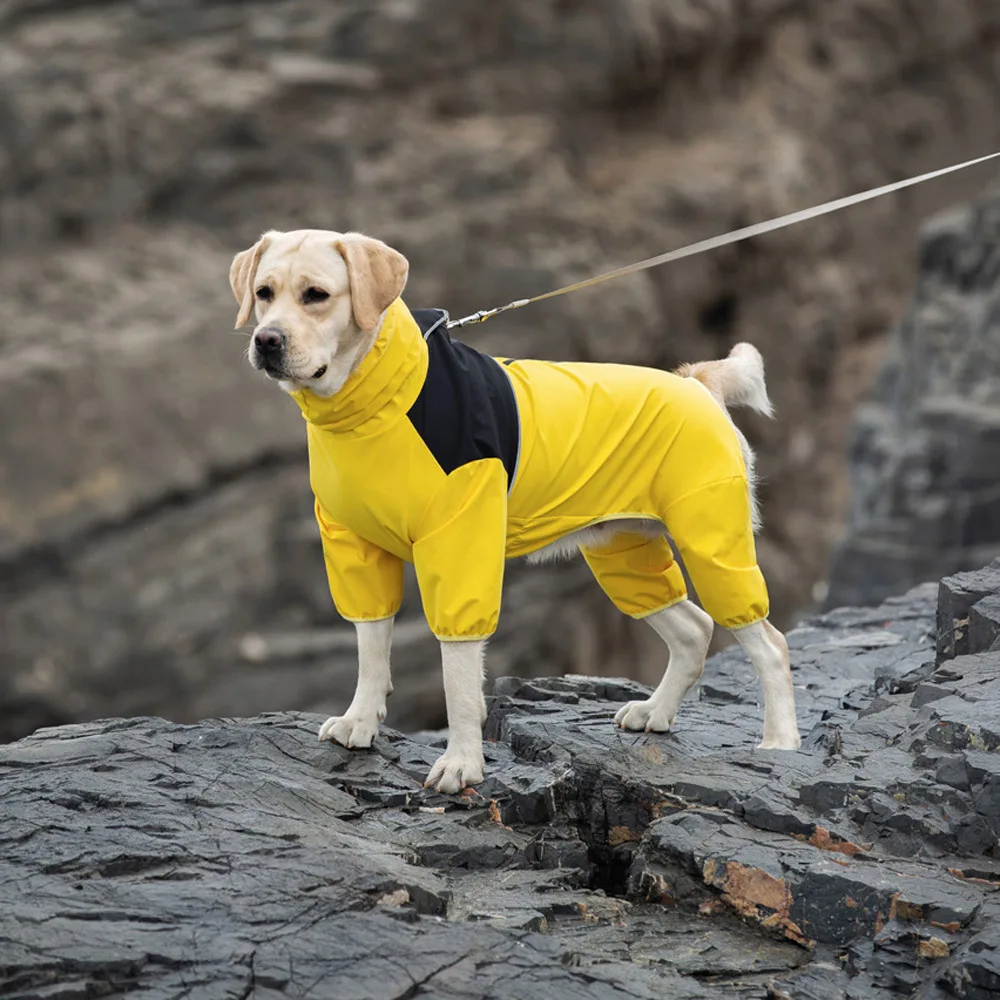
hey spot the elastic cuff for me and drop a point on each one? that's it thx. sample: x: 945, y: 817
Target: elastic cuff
x: 737, y: 628
x: 663, y: 607
x: 360, y: 621
x: 464, y: 638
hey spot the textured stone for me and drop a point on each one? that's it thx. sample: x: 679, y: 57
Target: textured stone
x: 810, y: 894
x: 245, y: 857
x: 984, y: 623
x: 957, y: 596
x: 975, y: 971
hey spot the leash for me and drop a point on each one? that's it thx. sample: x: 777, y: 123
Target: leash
x: 720, y: 241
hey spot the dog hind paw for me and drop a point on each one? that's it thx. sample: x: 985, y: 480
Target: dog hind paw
x: 349, y: 731
x: 644, y: 716
x: 788, y: 741
x: 454, y: 771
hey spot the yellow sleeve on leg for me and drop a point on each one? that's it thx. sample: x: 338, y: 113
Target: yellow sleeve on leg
x: 714, y: 534
x: 459, y: 554
x: 639, y: 574
x: 366, y: 582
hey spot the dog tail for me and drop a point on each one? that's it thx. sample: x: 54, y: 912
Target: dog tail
x: 737, y: 380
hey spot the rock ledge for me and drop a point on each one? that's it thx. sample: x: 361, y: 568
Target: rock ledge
x: 243, y: 858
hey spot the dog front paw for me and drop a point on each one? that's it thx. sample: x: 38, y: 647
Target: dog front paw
x: 644, y: 717
x: 454, y: 771
x: 351, y: 731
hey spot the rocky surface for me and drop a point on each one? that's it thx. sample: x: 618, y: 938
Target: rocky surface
x: 925, y: 482
x: 243, y: 858
x: 154, y: 510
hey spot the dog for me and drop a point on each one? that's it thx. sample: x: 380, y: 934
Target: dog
x: 424, y: 450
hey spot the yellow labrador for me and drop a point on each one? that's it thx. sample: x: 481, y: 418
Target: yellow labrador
x: 320, y: 299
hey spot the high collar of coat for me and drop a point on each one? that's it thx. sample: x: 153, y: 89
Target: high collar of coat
x: 382, y: 388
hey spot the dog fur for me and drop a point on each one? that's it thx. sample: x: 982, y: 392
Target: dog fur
x: 323, y: 295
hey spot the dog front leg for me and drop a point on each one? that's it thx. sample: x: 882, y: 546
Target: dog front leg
x: 768, y: 652
x: 359, y: 724
x: 462, y: 763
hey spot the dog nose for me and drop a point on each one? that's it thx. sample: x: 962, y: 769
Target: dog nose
x: 269, y: 340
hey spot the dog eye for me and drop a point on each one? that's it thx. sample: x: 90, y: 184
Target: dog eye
x: 265, y: 294
x: 314, y: 295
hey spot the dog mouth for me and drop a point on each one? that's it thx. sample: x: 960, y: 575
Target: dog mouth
x: 275, y: 364
x: 274, y: 369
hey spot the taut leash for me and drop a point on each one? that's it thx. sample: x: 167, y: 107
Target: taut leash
x: 726, y: 238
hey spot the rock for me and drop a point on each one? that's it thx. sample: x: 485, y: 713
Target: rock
x: 154, y: 501
x: 957, y: 597
x: 975, y: 972
x: 924, y: 481
x: 806, y: 891
x: 243, y: 856
x: 984, y: 623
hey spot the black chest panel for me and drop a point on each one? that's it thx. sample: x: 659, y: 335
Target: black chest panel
x: 466, y: 409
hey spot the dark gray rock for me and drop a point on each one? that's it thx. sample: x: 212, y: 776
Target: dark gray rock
x: 244, y: 858
x: 958, y: 595
x: 975, y: 970
x: 984, y: 623
x: 925, y: 480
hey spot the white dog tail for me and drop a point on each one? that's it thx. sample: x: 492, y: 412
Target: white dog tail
x: 737, y: 380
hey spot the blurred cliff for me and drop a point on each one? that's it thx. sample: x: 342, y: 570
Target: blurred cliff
x: 156, y: 548
x: 925, y: 456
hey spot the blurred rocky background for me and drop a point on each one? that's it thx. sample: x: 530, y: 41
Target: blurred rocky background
x: 157, y: 553
x: 925, y: 459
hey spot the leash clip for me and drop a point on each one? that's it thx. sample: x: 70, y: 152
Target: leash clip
x: 476, y: 317
x: 484, y: 314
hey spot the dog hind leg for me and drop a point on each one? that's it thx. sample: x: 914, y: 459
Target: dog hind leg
x: 687, y: 631
x: 768, y: 652
x: 639, y: 573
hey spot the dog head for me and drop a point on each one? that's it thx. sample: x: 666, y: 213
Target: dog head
x: 319, y: 298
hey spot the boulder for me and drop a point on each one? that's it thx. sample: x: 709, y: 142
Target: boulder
x: 967, y: 616
x: 243, y: 857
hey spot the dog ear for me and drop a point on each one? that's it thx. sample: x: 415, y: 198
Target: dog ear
x: 377, y: 275
x: 242, y: 273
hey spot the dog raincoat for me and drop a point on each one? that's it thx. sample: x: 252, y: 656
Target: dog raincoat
x: 435, y: 454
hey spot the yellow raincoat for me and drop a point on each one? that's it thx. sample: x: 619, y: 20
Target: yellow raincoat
x: 595, y: 442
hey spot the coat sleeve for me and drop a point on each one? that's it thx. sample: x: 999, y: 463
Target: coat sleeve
x: 459, y: 552
x: 366, y: 582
